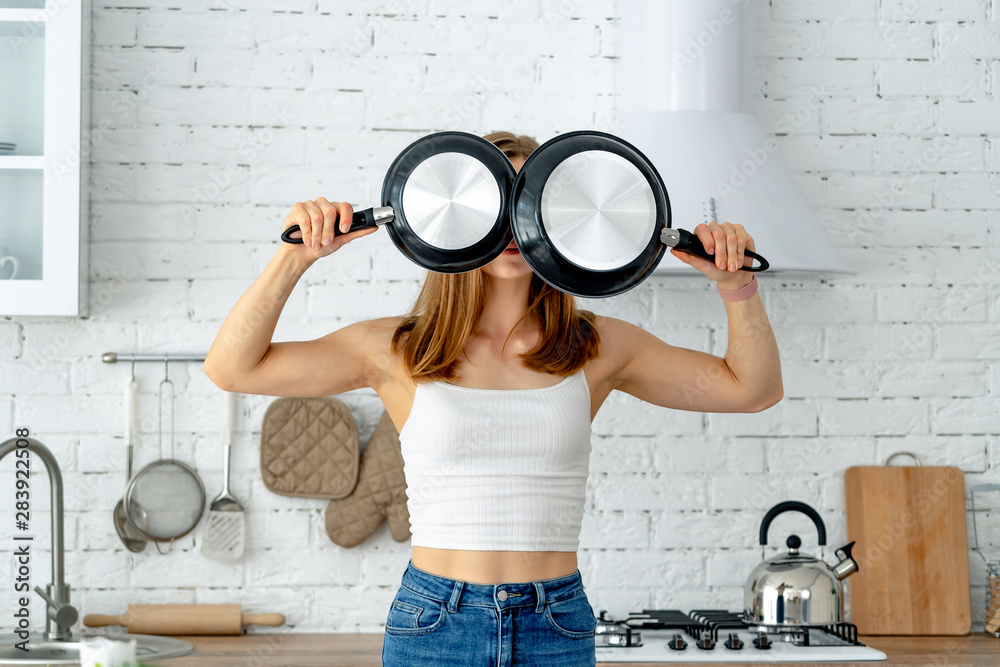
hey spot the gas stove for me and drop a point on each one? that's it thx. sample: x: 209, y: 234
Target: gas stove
x: 668, y: 635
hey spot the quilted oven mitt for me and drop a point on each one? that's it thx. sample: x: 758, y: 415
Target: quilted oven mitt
x: 309, y: 448
x: 379, y: 495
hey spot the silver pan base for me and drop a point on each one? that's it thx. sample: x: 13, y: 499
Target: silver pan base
x: 598, y: 210
x: 452, y: 201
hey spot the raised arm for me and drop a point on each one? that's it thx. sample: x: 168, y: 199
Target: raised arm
x: 747, y: 379
x: 243, y: 358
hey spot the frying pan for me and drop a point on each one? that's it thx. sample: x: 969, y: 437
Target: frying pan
x: 589, y: 212
x: 446, y: 197
x: 591, y: 215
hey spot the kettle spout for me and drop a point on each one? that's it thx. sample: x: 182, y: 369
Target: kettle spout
x: 847, y: 565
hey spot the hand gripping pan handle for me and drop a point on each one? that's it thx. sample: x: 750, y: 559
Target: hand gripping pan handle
x: 370, y: 217
x: 681, y: 239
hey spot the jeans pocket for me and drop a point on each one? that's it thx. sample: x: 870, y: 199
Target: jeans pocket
x: 573, y: 618
x: 414, y: 615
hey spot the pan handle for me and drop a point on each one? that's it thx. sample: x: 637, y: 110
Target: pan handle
x: 681, y: 239
x: 370, y: 217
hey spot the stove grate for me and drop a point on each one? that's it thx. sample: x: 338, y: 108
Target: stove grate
x: 718, y: 619
x: 663, y: 619
x: 715, y: 621
x: 846, y: 631
x: 694, y: 623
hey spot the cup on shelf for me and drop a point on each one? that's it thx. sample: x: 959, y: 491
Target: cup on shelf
x: 6, y: 260
x: 12, y: 261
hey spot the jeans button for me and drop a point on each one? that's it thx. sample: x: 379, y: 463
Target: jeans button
x: 501, y: 595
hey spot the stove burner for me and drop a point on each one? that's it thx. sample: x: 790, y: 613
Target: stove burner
x: 615, y: 633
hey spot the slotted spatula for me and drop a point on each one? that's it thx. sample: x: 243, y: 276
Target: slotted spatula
x: 225, y: 531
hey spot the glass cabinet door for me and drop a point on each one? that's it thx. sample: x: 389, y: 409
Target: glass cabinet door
x: 42, y: 111
x: 22, y: 116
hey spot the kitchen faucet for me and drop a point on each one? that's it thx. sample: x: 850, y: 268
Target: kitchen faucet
x: 60, y: 614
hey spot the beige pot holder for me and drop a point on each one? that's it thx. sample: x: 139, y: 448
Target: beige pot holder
x: 379, y: 495
x: 309, y: 448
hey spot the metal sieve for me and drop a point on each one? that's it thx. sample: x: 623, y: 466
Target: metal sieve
x: 165, y: 500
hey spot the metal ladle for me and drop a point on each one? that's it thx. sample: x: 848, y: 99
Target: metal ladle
x: 130, y: 537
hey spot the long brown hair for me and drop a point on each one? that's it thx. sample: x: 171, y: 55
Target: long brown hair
x: 434, y: 335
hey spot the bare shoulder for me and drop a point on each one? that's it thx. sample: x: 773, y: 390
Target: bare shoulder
x: 375, y: 336
x: 617, y: 335
x: 382, y: 327
x: 612, y: 326
x: 373, y: 330
x: 617, y: 338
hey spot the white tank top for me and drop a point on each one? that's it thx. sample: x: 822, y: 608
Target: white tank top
x: 497, y: 469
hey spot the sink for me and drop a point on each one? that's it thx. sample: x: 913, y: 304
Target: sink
x: 57, y: 646
x: 149, y: 647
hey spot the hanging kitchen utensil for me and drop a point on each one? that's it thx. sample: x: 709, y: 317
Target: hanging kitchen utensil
x: 591, y: 215
x: 225, y: 530
x: 797, y: 589
x: 446, y: 198
x: 165, y: 500
x: 130, y: 537
x: 992, y: 617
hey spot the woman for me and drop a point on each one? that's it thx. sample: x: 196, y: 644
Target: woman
x: 493, y: 381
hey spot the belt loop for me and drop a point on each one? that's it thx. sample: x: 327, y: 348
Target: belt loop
x: 456, y: 593
x: 540, y: 593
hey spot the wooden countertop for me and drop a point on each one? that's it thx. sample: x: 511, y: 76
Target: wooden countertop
x: 364, y: 650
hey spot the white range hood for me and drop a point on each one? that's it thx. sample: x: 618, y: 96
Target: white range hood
x: 686, y: 91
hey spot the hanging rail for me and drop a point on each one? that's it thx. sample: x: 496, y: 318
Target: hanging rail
x: 115, y: 357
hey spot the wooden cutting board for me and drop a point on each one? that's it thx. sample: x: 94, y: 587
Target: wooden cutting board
x: 909, y: 525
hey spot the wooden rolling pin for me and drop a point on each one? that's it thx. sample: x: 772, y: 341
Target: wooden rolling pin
x: 184, y: 619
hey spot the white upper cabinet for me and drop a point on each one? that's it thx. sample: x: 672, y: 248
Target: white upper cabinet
x: 44, y: 116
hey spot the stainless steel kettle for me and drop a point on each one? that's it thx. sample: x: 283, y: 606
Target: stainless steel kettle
x: 797, y: 589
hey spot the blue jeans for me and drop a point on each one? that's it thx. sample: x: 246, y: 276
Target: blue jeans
x: 434, y: 620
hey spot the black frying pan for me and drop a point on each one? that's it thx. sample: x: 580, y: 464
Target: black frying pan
x: 591, y: 215
x: 446, y: 196
x: 589, y: 212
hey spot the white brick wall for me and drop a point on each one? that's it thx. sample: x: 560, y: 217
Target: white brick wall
x: 210, y: 120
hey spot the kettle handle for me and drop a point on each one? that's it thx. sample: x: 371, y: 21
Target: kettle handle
x: 792, y: 506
